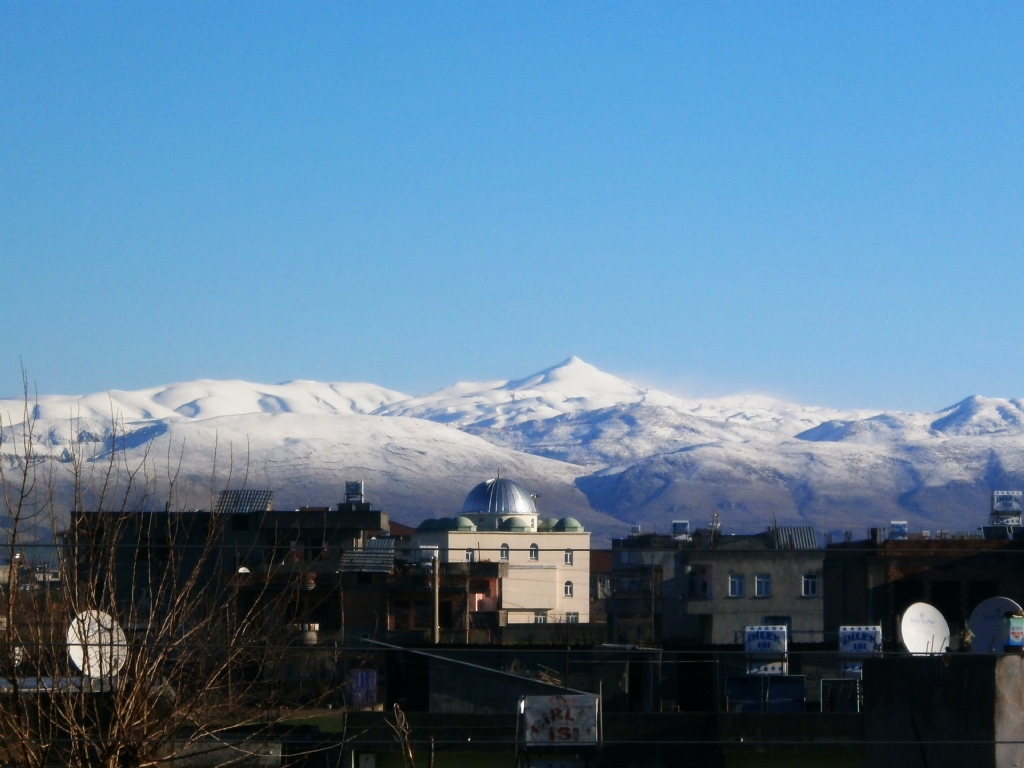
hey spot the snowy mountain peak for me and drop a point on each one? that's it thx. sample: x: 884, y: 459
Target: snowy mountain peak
x: 977, y: 415
x: 575, y: 378
x: 573, y: 386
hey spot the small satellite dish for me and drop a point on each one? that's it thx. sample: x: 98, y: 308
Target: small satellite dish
x: 988, y: 626
x: 924, y: 630
x: 96, y: 644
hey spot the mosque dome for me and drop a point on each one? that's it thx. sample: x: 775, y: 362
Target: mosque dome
x: 548, y: 524
x: 569, y: 525
x: 515, y: 524
x: 427, y: 525
x: 500, y: 496
x: 463, y: 524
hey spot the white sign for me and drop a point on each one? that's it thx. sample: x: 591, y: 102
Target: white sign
x: 554, y: 720
x: 860, y: 641
x: 765, y: 639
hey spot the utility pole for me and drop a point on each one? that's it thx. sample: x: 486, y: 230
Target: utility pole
x: 435, y: 635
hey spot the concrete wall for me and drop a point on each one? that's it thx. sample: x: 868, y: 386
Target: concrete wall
x: 1009, y: 712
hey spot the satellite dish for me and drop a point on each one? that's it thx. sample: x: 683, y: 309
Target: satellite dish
x: 96, y: 644
x: 988, y: 626
x: 924, y: 630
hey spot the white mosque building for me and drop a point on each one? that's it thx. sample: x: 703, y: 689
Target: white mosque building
x: 548, y: 561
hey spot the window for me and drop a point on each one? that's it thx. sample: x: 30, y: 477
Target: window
x: 763, y: 585
x: 698, y: 582
x: 572, y: 617
x: 568, y: 557
x: 568, y: 589
x: 735, y: 585
x: 534, y: 552
x: 603, y: 587
x: 810, y: 586
x: 540, y: 618
x: 469, y: 556
x: 503, y: 552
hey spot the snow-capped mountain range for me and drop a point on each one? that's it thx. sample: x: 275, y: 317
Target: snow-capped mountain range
x: 593, y: 445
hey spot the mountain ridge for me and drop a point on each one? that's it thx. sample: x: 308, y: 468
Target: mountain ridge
x: 604, y: 449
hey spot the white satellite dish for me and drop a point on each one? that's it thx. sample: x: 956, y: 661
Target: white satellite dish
x: 96, y: 644
x: 988, y: 625
x: 924, y: 630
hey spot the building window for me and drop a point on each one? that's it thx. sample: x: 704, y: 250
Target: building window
x: 540, y: 618
x: 568, y: 589
x: 763, y: 585
x: 735, y: 585
x: 568, y: 557
x: 603, y: 587
x: 534, y: 552
x: 572, y: 618
x: 469, y: 556
x: 503, y: 553
x: 810, y: 587
x: 698, y: 582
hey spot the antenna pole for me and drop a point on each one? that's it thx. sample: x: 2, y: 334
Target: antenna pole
x: 436, y: 629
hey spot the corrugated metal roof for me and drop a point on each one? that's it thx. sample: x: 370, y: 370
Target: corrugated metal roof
x: 377, y: 557
x: 240, y: 502
x: 795, y: 537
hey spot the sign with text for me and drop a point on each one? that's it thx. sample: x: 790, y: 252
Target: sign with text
x: 765, y: 639
x: 559, y: 720
x: 860, y: 641
x: 766, y: 648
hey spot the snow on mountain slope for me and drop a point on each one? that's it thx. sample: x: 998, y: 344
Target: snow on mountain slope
x: 200, y: 399
x: 595, y: 446
x: 984, y: 417
x: 618, y: 434
x: 570, y: 387
x: 575, y: 387
x: 413, y: 468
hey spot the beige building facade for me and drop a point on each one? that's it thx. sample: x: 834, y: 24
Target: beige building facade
x: 548, y: 573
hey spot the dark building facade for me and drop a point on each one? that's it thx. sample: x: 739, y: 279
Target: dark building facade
x: 704, y: 589
x: 874, y: 581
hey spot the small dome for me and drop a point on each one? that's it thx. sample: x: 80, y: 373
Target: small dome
x: 501, y: 496
x: 548, y: 524
x: 515, y: 524
x: 427, y: 525
x: 463, y: 524
x: 569, y: 525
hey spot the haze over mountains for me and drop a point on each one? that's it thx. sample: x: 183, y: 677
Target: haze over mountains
x: 593, y: 445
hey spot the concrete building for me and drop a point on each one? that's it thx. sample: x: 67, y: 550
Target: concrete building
x: 874, y: 580
x: 704, y: 589
x: 548, y: 560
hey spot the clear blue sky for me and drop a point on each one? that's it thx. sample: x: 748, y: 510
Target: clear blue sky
x: 823, y: 201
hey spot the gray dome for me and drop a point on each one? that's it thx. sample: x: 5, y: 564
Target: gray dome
x: 501, y: 497
x: 548, y: 524
x: 463, y: 524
